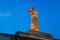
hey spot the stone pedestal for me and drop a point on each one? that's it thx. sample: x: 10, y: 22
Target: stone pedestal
x: 32, y: 35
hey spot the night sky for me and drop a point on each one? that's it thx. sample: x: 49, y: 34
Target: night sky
x: 14, y: 16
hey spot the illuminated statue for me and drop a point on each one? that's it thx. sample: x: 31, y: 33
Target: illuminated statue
x: 34, y: 23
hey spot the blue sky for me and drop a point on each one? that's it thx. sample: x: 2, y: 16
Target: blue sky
x: 14, y: 16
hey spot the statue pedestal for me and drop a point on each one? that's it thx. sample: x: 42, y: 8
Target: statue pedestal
x: 33, y: 35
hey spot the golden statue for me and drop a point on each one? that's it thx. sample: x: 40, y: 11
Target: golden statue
x: 34, y: 23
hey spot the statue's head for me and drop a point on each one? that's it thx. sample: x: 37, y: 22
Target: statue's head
x: 34, y: 13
